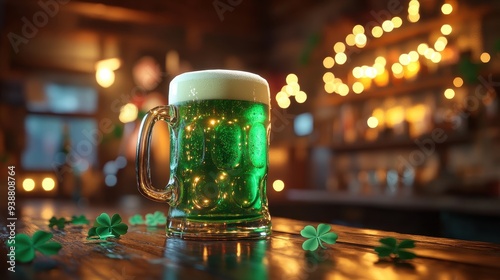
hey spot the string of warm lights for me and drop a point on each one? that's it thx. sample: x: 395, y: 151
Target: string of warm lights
x: 48, y: 184
x: 407, y: 66
x: 292, y: 88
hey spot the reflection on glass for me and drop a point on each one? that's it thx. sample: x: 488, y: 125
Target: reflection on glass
x: 45, y: 138
x: 408, y: 179
x: 228, y: 259
x: 392, y: 181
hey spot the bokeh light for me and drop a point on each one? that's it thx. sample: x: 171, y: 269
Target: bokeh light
x: 48, y: 184
x: 458, y: 82
x: 372, y: 122
x: 278, y: 185
x: 28, y: 184
x: 449, y: 93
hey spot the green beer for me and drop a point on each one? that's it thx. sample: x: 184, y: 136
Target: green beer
x: 222, y: 159
x: 219, y: 124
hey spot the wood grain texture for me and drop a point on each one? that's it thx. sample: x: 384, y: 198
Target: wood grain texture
x: 145, y: 253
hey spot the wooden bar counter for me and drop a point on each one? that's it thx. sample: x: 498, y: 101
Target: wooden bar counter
x: 145, y: 253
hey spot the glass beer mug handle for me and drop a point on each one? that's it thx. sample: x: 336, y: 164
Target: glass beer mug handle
x: 167, y: 113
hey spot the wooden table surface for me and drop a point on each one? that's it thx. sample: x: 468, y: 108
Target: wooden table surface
x: 145, y: 253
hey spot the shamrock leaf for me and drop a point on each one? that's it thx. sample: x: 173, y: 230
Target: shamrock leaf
x: 157, y: 218
x: 59, y: 223
x: 79, y: 220
x: 316, y: 237
x: 136, y: 220
x: 25, y: 246
x: 391, y: 248
x: 105, y: 227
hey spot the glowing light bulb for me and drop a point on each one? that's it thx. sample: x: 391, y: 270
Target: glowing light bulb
x: 358, y: 29
x: 105, y: 77
x: 413, y: 56
x: 128, y: 113
x: 440, y: 44
x: 458, y: 82
x: 278, y: 185
x: 360, y: 39
x: 292, y: 79
x: 413, y: 10
x: 449, y: 93
x: 436, y: 57
x: 330, y: 87
x: 387, y: 26
x: 371, y: 72
x: 301, y: 97
x: 328, y: 62
x: 447, y: 9
x: 397, y: 22
x: 284, y: 103
x: 341, y: 58
x: 339, y: 47
x: 380, y: 60
x: 28, y: 184
x: 372, y: 122
x: 404, y: 59
x: 349, y: 40
x: 48, y: 184
x: 485, y: 57
x: 413, y: 17
x: 397, y: 68
x: 358, y: 87
x: 328, y: 76
x: 280, y: 96
x: 446, y: 29
x: 357, y: 72
x: 422, y: 48
x: 343, y: 89
x: 377, y: 32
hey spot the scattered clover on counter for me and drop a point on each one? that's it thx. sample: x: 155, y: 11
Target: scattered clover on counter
x: 25, y: 246
x: 390, y: 248
x: 105, y: 227
x: 317, y: 237
x: 155, y: 219
x: 136, y: 220
x: 58, y: 222
x: 79, y: 220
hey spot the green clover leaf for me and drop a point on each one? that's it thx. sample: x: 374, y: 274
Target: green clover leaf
x: 155, y: 219
x: 59, y: 223
x: 136, y: 220
x: 105, y: 227
x: 79, y: 220
x: 390, y: 248
x: 25, y: 246
x: 317, y: 237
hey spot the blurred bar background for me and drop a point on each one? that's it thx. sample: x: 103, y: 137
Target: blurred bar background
x: 385, y: 113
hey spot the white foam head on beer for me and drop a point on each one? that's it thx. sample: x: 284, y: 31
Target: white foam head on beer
x: 218, y: 84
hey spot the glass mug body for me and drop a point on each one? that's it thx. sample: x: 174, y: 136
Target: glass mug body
x: 219, y: 123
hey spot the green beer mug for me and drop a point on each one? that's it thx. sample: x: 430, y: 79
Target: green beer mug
x: 219, y: 123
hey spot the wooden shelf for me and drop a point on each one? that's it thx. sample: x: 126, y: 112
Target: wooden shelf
x: 395, y: 143
x: 489, y: 206
x: 424, y: 27
x: 395, y: 90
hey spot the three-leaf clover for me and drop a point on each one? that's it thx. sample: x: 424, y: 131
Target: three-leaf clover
x: 79, y: 220
x: 157, y: 218
x: 316, y: 237
x: 59, y: 223
x: 136, y: 220
x: 391, y: 248
x: 26, y: 246
x: 105, y: 227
